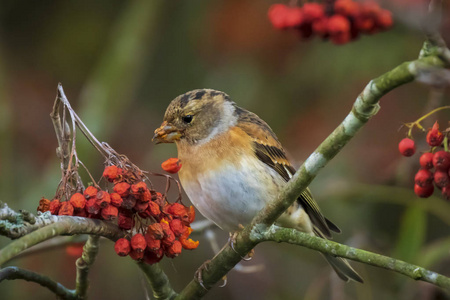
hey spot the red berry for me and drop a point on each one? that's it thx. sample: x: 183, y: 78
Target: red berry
x: 116, y: 200
x: 277, y: 15
x: 90, y: 192
x: 136, y: 255
x: 112, y: 172
x: 423, y: 192
x: 172, y: 165
x: 423, y: 178
x: 383, y: 19
x: 407, y: 147
x: 125, y: 221
x: 122, y: 188
x: 138, y: 242
x: 346, y: 7
x: 441, y: 178
x: 294, y: 17
x: 434, y: 136
x: 320, y: 27
x: 313, y: 11
x: 174, y: 250
x: 103, y: 199
x: 109, y: 212
x: 446, y: 192
x: 426, y: 160
x: 55, y: 204
x: 441, y: 160
x: 338, y: 24
x: 66, y: 209
x: 78, y: 201
x: 341, y: 38
x: 122, y: 247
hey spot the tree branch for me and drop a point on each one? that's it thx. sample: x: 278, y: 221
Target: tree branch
x: 84, y: 263
x: 158, y: 281
x: 62, y: 225
x: 10, y: 273
x: 365, y: 107
x: 292, y: 236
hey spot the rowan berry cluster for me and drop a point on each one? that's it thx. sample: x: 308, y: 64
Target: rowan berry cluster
x: 340, y: 21
x: 435, y: 164
x: 154, y: 226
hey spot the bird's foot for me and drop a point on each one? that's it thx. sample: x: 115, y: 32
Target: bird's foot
x: 199, y: 273
x: 232, y: 241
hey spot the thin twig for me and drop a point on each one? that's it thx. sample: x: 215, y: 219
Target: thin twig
x: 11, y: 273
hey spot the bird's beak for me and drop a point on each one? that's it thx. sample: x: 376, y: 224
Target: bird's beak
x: 166, y: 133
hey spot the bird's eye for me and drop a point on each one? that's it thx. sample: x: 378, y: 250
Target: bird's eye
x: 187, y: 119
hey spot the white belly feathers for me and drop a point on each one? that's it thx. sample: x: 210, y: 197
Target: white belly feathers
x: 232, y: 195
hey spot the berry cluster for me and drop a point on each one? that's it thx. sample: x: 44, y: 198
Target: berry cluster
x: 340, y: 21
x: 439, y: 160
x: 154, y: 226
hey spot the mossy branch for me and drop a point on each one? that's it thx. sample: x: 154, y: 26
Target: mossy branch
x: 364, y: 108
x: 292, y: 236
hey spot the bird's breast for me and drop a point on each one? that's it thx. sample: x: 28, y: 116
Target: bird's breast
x: 225, y: 180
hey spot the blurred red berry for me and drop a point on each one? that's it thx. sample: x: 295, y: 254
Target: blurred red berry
x: 441, y: 178
x: 407, y: 147
x: 338, y: 24
x: 434, y: 136
x: 277, y: 15
x: 313, y: 11
x: 423, y: 178
x: 446, y: 192
x: 320, y: 27
x: 346, y: 7
x: 441, y: 160
x: 294, y: 17
x: 424, y: 192
x: 426, y: 160
x: 383, y: 19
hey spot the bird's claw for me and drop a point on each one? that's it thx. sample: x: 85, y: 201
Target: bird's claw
x: 198, y: 274
x: 232, y: 241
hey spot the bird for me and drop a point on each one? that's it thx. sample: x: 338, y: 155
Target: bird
x: 233, y: 164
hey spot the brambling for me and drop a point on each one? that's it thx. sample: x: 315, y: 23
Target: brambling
x: 233, y: 164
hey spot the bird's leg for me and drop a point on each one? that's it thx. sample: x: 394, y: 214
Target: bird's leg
x: 199, y: 276
x: 232, y: 241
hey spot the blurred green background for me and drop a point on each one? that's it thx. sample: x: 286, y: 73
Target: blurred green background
x: 122, y: 62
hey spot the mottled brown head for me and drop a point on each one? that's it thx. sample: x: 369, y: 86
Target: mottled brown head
x: 196, y: 117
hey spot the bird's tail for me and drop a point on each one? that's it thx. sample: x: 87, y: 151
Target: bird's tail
x: 343, y: 268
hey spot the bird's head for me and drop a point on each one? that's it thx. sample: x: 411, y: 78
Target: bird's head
x: 196, y: 117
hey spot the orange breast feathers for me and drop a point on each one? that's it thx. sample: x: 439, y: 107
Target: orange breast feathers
x: 226, y: 148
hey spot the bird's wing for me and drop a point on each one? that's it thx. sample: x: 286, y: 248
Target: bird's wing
x: 269, y: 150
